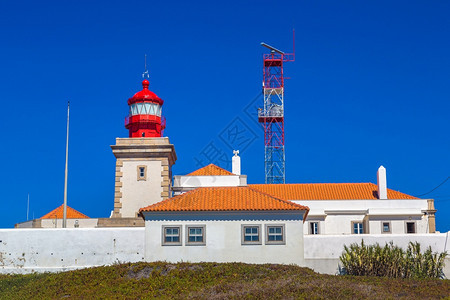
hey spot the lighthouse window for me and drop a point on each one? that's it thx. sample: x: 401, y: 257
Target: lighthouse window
x: 134, y: 109
x: 141, y: 108
x: 158, y: 110
x: 145, y: 109
x: 141, y: 173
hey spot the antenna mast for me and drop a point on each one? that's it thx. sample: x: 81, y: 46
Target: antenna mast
x: 28, y: 205
x: 272, y: 115
x: 66, y: 170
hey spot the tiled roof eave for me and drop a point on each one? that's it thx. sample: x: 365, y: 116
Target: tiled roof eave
x: 221, y: 210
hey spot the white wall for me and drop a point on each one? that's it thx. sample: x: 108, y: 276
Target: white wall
x: 42, y: 250
x: 140, y: 193
x: 50, y: 250
x: 336, y: 216
x: 322, y: 252
x: 83, y: 223
x: 223, y: 238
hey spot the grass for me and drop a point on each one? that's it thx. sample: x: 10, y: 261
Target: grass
x: 213, y: 281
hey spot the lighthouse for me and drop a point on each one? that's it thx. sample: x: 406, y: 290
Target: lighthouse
x: 143, y: 160
x: 145, y: 119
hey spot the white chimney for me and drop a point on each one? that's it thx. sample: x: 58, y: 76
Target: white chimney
x: 236, y: 163
x: 382, y: 183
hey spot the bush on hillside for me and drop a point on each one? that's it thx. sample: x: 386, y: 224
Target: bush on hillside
x: 392, y: 261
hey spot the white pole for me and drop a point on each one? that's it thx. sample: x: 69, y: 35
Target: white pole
x: 65, y: 177
x: 28, y: 205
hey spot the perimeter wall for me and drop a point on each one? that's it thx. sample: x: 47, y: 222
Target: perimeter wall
x: 53, y: 250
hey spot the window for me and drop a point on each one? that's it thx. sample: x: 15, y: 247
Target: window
x: 358, y: 228
x: 313, y: 227
x: 145, y: 109
x: 195, y: 235
x: 410, y: 227
x: 251, y: 234
x: 275, y: 234
x: 385, y: 227
x: 141, y: 173
x: 171, y: 235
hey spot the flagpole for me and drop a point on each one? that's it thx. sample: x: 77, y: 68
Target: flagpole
x: 66, y: 171
x: 28, y: 205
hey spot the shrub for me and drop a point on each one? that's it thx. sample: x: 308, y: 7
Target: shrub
x: 392, y: 261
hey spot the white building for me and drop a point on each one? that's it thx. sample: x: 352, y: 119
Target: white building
x: 335, y: 208
x: 225, y: 224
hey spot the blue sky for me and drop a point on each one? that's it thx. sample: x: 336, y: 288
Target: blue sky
x: 369, y: 87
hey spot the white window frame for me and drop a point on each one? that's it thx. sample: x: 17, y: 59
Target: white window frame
x: 203, y: 235
x: 283, y: 234
x: 359, y: 229
x: 243, y: 241
x: 318, y: 227
x: 163, y: 235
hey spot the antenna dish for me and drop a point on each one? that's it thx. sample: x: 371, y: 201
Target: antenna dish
x: 272, y: 48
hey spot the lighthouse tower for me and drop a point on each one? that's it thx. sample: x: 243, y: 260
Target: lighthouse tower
x: 143, y: 160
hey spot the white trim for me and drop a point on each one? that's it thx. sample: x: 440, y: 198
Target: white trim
x: 347, y: 212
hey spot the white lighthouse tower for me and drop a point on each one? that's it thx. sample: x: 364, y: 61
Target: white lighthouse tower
x: 144, y: 159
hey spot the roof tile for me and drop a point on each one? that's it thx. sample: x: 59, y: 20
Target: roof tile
x: 210, y: 170
x: 327, y: 191
x: 58, y: 213
x: 224, y: 199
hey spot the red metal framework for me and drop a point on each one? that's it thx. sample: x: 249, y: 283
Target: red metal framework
x: 272, y: 115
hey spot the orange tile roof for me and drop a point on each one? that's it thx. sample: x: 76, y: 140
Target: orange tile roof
x: 224, y: 199
x: 58, y: 213
x: 327, y: 191
x: 210, y: 170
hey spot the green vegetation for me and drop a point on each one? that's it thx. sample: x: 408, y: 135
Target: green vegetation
x: 392, y: 261
x: 212, y: 280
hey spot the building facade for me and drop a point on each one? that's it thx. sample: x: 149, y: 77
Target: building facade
x: 225, y: 224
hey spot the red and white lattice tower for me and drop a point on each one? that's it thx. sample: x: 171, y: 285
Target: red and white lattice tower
x: 272, y: 115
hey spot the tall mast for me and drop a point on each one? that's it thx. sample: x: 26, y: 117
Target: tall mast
x: 272, y: 115
x: 66, y: 171
x: 28, y: 205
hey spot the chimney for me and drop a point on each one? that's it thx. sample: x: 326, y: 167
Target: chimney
x: 382, y: 183
x: 236, y: 163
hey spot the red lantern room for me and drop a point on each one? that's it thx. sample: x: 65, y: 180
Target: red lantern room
x: 145, y: 118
